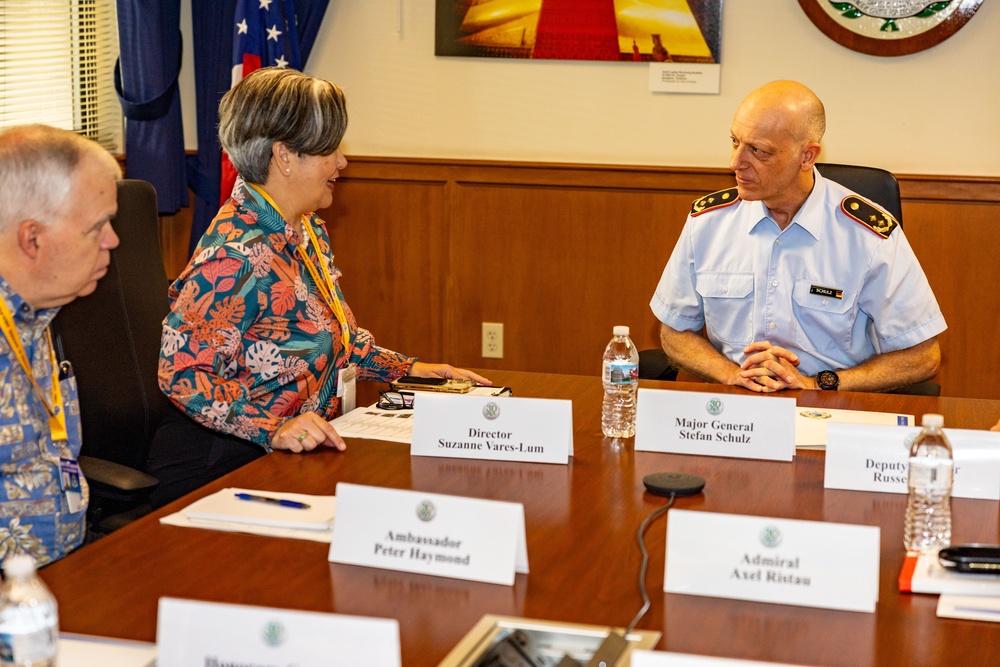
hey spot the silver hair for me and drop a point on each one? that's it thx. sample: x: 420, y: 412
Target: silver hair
x: 37, y: 167
x: 272, y: 104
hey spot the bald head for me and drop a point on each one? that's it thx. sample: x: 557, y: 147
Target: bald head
x: 776, y: 135
x: 792, y: 106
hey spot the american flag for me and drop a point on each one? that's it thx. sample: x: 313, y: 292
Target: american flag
x: 264, y: 35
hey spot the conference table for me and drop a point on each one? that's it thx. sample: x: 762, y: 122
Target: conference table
x: 581, y: 522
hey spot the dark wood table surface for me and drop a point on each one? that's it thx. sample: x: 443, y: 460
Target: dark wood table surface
x: 581, y: 521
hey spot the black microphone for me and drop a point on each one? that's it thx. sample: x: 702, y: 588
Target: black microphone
x: 673, y: 484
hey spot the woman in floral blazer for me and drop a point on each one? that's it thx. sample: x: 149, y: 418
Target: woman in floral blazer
x: 259, y: 342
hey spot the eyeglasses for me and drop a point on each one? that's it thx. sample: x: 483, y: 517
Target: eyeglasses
x: 395, y: 400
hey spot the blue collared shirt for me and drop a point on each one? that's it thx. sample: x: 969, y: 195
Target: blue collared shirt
x: 826, y: 287
x: 34, y: 515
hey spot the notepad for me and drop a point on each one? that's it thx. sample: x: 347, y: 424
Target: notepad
x: 225, y: 506
x: 89, y: 651
x: 923, y: 573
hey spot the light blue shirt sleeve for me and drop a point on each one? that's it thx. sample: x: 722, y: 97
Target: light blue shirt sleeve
x: 676, y: 302
x: 898, y: 298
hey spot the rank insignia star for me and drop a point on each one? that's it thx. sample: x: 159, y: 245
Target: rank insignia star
x: 715, y: 200
x: 869, y: 215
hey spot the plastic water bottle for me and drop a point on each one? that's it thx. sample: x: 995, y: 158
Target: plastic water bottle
x: 29, y: 617
x: 928, y: 511
x: 621, y: 381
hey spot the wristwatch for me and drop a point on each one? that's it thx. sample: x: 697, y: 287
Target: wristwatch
x: 828, y: 380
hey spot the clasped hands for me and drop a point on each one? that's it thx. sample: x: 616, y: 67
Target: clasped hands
x: 769, y: 368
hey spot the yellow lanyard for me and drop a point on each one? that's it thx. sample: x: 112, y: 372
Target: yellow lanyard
x: 55, y: 410
x: 324, y: 284
x: 330, y: 291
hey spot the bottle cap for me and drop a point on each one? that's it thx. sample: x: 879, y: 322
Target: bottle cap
x: 621, y: 330
x: 19, y: 566
x: 932, y: 420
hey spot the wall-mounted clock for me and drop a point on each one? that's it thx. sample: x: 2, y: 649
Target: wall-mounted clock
x: 889, y: 27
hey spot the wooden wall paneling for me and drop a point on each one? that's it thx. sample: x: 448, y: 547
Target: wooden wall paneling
x: 958, y: 245
x: 390, y: 241
x: 562, y: 266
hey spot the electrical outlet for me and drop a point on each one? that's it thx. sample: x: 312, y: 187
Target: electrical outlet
x: 492, y: 340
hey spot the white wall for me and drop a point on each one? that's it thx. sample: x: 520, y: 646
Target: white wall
x: 934, y: 112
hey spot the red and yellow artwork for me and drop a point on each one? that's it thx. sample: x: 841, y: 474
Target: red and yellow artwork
x: 630, y: 30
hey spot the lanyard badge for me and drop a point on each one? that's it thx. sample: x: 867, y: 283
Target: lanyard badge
x: 69, y: 481
x: 347, y: 387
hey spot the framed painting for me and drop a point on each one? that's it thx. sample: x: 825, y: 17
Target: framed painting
x: 620, y: 30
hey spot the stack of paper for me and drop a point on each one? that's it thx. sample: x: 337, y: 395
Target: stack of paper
x: 224, y: 511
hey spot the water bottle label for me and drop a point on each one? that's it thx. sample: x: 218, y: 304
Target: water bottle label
x: 33, y: 646
x: 934, y: 475
x: 621, y: 373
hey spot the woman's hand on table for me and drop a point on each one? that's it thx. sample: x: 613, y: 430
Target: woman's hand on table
x: 420, y: 369
x: 306, y: 432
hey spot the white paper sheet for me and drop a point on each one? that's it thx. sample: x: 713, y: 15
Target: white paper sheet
x: 373, y: 423
x: 811, y: 423
x: 259, y: 518
x: 89, y: 651
x: 972, y: 608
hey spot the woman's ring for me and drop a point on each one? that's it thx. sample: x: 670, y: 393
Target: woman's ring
x: 303, y: 437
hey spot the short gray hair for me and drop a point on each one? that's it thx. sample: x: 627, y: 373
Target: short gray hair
x: 37, y: 165
x: 307, y: 114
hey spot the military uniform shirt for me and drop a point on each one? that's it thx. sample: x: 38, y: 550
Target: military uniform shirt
x: 829, y: 288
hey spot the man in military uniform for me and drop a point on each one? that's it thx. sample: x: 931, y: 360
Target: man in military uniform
x: 798, y: 282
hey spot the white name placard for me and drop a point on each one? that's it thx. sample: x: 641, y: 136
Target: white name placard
x: 429, y: 533
x: 876, y: 458
x: 643, y: 658
x: 210, y: 633
x: 494, y: 428
x: 687, y: 422
x: 784, y: 561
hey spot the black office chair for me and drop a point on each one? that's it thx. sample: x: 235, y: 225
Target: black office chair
x: 878, y: 185
x: 655, y: 365
x: 112, y: 338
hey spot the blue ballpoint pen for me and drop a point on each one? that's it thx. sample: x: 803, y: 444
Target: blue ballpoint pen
x: 274, y: 501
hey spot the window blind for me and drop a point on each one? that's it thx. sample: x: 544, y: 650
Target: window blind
x: 57, y: 62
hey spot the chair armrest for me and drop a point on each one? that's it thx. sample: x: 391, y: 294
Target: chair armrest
x: 925, y: 388
x: 116, y: 475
